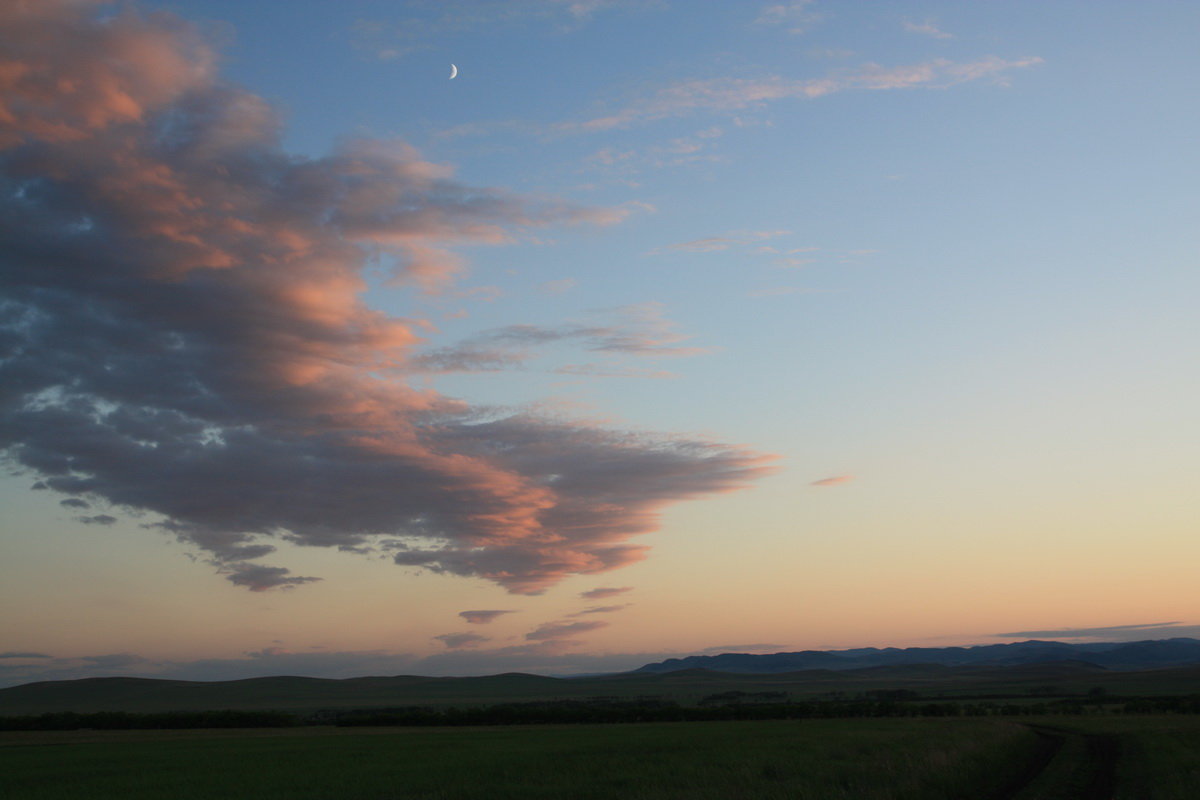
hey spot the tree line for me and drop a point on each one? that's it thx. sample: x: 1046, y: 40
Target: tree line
x: 601, y: 710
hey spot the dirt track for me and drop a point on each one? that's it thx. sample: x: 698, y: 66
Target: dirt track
x: 1067, y: 766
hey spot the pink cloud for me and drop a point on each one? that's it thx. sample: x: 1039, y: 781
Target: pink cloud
x: 834, y: 481
x: 191, y: 340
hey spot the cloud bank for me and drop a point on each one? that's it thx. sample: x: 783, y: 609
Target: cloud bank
x: 183, y: 335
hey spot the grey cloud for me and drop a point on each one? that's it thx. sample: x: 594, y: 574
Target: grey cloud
x: 113, y: 660
x: 74, y: 502
x: 97, y: 519
x: 563, y: 630
x: 260, y: 578
x: 600, y: 610
x: 484, y: 616
x: 457, y: 640
x: 604, y: 592
x: 19, y: 654
x: 639, y: 330
x: 183, y: 333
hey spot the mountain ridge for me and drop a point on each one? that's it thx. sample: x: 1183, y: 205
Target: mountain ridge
x: 1141, y: 655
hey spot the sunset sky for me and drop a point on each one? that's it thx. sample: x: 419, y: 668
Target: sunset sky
x: 663, y: 328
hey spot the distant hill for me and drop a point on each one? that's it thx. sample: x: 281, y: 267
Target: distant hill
x: 1110, y: 655
x: 1170, y: 667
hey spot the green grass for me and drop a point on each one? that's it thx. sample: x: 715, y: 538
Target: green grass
x: 823, y: 760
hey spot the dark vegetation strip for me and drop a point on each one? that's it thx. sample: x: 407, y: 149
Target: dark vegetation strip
x: 596, y: 710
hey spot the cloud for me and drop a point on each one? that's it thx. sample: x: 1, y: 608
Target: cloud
x: 709, y: 244
x: 926, y: 28
x: 640, y: 330
x: 485, y: 616
x: 258, y: 577
x: 735, y: 94
x: 705, y: 245
x: 604, y: 592
x: 597, y: 371
x: 182, y: 333
x: 113, y: 660
x: 422, y: 24
x: 19, y: 654
x: 74, y: 502
x: 779, y: 291
x: 1112, y: 632
x: 837, y: 480
x: 745, y: 648
x: 97, y: 519
x: 457, y: 640
x: 795, y: 16
x: 563, y: 630
x: 600, y: 610
x: 560, y: 286
x: 677, y: 152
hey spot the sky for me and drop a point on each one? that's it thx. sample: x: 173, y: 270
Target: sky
x: 662, y: 328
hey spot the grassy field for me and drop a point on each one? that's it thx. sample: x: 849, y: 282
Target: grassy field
x: 822, y: 760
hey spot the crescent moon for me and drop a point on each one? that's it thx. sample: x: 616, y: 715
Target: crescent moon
x: 453, y: 71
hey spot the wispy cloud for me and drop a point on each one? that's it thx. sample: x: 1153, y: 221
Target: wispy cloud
x: 563, y: 630
x: 458, y: 640
x: 421, y: 24
x: 836, y: 480
x: 185, y: 334
x: 695, y: 148
x: 1147, y: 630
x: 742, y: 241
x: 21, y: 654
x: 97, y: 519
x: 745, y: 648
x: 559, y: 286
x: 600, y: 610
x: 484, y: 617
x: 641, y: 330
x: 735, y: 94
x: 605, y: 592
x: 796, y: 17
x: 926, y: 28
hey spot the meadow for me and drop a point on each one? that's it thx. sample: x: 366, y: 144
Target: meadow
x: 863, y: 759
x: 830, y: 759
